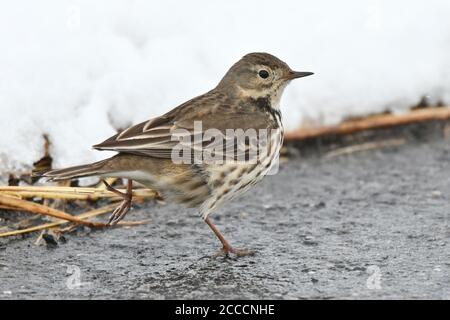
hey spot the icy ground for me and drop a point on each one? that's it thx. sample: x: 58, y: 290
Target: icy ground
x: 79, y: 70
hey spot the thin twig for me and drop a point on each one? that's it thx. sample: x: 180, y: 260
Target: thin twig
x: 44, y: 210
x: 120, y: 223
x: 364, y: 147
x: 4, y: 207
x: 102, y: 186
x: 369, y: 123
x: 85, y: 215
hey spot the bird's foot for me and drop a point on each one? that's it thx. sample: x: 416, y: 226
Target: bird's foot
x: 227, y: 250
x: 120, y: 212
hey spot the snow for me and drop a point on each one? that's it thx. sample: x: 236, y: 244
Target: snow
x: 80, y: 70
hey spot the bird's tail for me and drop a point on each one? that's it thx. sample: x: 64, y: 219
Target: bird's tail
x: 87, y: 170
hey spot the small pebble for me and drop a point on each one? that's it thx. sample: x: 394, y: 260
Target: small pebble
x: 436, y: 194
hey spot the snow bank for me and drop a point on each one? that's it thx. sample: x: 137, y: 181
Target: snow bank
x: 79, y: 70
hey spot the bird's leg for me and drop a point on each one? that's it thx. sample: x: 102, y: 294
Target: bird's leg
x: 124, y: 206
x: 227, y: 248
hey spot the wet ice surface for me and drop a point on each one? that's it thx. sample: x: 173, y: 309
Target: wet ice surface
x: 321, y: 228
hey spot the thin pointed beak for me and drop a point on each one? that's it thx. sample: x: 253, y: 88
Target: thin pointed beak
x: 298, y: 74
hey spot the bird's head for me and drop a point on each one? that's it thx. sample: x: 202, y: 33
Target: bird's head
x: 260, y: 75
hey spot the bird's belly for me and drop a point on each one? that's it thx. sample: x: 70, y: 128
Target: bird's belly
x: 232, y: 179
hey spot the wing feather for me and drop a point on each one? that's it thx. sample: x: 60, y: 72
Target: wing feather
x: 157, y: 137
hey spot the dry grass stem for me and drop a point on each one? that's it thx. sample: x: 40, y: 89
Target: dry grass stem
x: 70, y: 193
x: 364, y: 147
x: 44, y: 210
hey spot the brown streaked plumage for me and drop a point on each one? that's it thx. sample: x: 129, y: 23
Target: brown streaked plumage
x: 246, y: 98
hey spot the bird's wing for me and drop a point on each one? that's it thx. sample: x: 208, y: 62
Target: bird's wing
x: 152, y: 138
x: 186, y: 126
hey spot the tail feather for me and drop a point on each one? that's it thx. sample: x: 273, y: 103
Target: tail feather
x: 87, y: 170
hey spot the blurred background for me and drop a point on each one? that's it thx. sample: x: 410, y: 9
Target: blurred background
x: 78, y: 71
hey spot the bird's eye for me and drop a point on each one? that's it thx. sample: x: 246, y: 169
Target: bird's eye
x: 263, y: 74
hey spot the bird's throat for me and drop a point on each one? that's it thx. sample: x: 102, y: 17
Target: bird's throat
x: 271, y: 98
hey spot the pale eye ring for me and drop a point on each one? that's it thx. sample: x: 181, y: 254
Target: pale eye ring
x: 263, y: 73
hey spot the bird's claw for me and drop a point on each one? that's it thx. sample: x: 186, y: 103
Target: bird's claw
x: 120, y: 212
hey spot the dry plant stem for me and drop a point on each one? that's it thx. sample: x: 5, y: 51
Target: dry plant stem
x: 120, y: 223
x: 39, y: 238
x: 43, y: 210
x: 8, y: 208
x: 364, y: 147
x: 84, y: 215
x: 102, y: 186
x: 71, y: 193
x: 374, y: 122
x: 70, y: 228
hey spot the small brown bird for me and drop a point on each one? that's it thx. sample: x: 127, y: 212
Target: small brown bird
x: 246, y: 99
